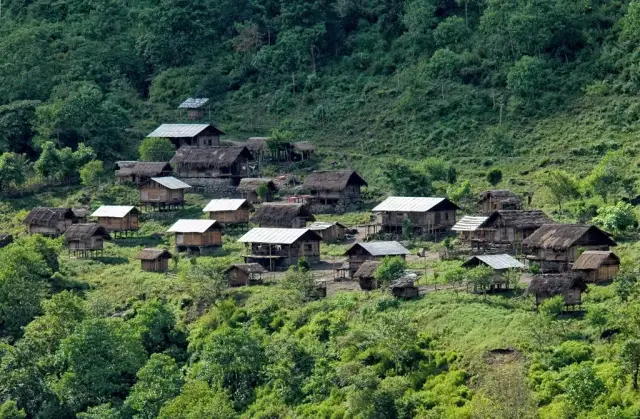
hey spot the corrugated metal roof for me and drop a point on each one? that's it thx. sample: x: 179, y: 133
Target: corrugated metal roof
x: 500, y: 261
x: 114, y: 211
x: 216, y: 205
x: 407, y: 204
x: 469, y: 223
x: 323, y: 225
x: 193, y: 103
x: 170, y: 182
x: 191, y: 226
x: 388, y: 248
x: 178, y: 130
x: 273, y: 235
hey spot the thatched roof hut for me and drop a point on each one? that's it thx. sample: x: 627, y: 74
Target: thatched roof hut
x: 404, y: 287
x: 248, y: 188
x: 282, y: 215
x: 333, y: 180
x: 209, y: 157
x: 142, y: 170
x: 568, y: 285
x: 597, y: 265
x: 519, y: 220
x: 257, y: 145
x: 153, y: 254
x: 499, y: 199
x: 563, y: 236
x: 245, y: 274
x: 366, y: 275
x: 84, y: 232
x: 48, y: 216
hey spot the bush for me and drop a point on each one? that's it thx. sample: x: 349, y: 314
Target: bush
x: 494, y: 176
x: 570, y: 352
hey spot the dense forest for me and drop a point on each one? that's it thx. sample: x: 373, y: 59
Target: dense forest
x: 421, y: 97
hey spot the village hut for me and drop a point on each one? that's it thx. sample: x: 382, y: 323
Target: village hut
x: 276, y: 248
x: 500, y: 264
x: 229, y: 211
x: 302, y: 150
x: 197, y: 235
x: 404, y: 287
x: 85, y: 239
x: 118, y: 218
x: 258, y: 147
x: 569, y: 286
x: 282, y: 216
x: 212, y: 162
x: 141, y: 171
x: 195, y: 107
x: 330, y: 231
x: 334, y: 191
x: 366, y: 275
x: 249, y: 186
x: 498, y: 200
x: 507, y: 229
x: 50, y: 221
x: 5, y: 240
x: 163, y: 193
x: 555, y: 247
x: 470, y: 231
x: 196, y: 135
x: 423, y: 216
x: 597, y: 266
x: 242, y: 274
x: 154, y: 260
x: 358, y: 253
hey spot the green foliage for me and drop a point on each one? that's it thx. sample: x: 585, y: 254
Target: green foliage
x: 583, y: 386
x: 552, y: 307
x: 103, y: 411
x: 262, y: 191
x: 617, y: 218
x: 300, y: 282
x: 560, y: 185
x: 91, y: 173
x: 390, y: 269
x: 608, y: 176
x: 480, y: 278
x: 494, y: 176
x: 9, y: 410
x: 13, y: 170
x: 625, y: 284
x: 198, y: 400
x: 156, y: 149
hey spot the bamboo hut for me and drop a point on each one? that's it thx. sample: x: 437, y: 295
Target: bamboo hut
x: 470, y: 231
x: 334, y: 191
x: 500, y: 264
x: 282, y: 216
x: 242, y: 274
x: 507, y: 229
x: 85, y: 239
x: 141, y: 171
x: 405, y: 287
x: 302, y: 150
x: 163, y: 193
x: 196, y: 135
x: 569, y: 286
x: 118, y: 219
x: 258, y: 147
x: 330, y: 231
x: 154, y: 260
x: 597, y: 266
x: 230, y: 163
x: 276, y: 248
x: 248, y: 189
x: 195, y: 107
x: 422, y: 216
x: 366, y: 275
x: 498, y: 200
x: 196, y: 235
x: 358, y: 253
x: 229, y: 211
x: 50, y: 221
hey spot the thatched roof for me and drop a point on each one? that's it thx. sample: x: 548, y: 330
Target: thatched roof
x: 206, y: 157
x: 251, y: 184
x: 367, y: 270
x: 153, y: 254
x: 550, y: 285
x: 517, y: 219
x: 563, y: 236
x: 593, y: 259
x: 257, y: 144
x: 48, y: 216
x: 407, y: 281
x: 503, y: 195
x: 144, y: 168
x: 280, y: 213
x: 81, y: 232
x: 332, y: 180
x: 248, y: 268
x: 80, y: 212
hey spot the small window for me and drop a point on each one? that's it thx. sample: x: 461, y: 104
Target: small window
x: 308, y: 247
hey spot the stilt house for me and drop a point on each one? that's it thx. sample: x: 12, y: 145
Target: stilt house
x: 555, y: 246
x: 196, y: 135
x: 498, y: 200
x: 500, y: 265
x: 358, y: 253
x: 118, y: 218
x: 569, y: 286
x: 154, y: 260
x: 50, y: 221
x: 276, y: 248
x: 282, y: 216
x: 597, y: 266
x: 303, y: 150
x: 366, y: 275
x: 195, y: 107
x: 507, y: 229
x: 424, y: 216
x: 212, y: 162
x: 249, y: 186
x: 141, y: 171
x: 229, y: 211
x: 196, y: 235
x: 470, y: 231
x: 163, y: 193
x: 85, y: 239
x: 334, y: 191
x: 242, y: 274
x: 330, y: 231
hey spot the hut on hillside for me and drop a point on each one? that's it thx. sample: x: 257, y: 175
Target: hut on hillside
x: 5, y: 240
x: 366, y: 275
x: 498, y: 200
x: 197, y: 235
x: 154, y: 260
x: 229, y: 211
x: 555, y: 246
x: 50, y: 221
x: 163, y: 193
x: 302, y: 150
x: 569, y: 286
x: 507, y: 229
x: 141, y: 171
x: 195, y: 107
x: 282, y: 216
x: 230, y: 163
x: 248, y: 189
x: 597, y: 266
x: 118, y: 218
x: 242, y: 274
x: 85, y: 239
x: 330, y: 231
x: 470, y: 231
x: 423, y: 216
x: 500, y: 265
x: 196, y: 135
x: 358, y: 253
x: 404, y: 287
x: 258, y: 147
x: 334, y: 191
x: 276, y: 248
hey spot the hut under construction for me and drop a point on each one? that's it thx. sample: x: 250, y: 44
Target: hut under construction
x: 358, y: 253
x: 555, y: 247
x: 334, y: 191
x: 404, y: 287
x: 282, y: 216
x: 330, y: 231
x: 154, y: 260
x: 500, y: 264
x: 422, y: 216
x: 198, y: 236
x: 229, y: 212
x: 163, y: 193
x: 366, y: 275
x: 118, y: 219
x: 230, y: 163
x: 242, y: 274
x: 569, y: 286
x: 85, y: 239
x: 196, y: 135
x: 195, y: 107
x: 507, y: 229
x: 597, y: 266
x: 279, y: 248
x: 498, y: 200
x: 250, y: 186
x: 50, y: 221
x: 141, y: 171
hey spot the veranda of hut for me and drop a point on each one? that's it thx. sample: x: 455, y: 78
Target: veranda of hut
x: 154, y: 260
x: 425, y: 215
x: 85, y: 238
x: 569, y: 286
x: 597, y: 266
x: 229, y: 211
x: 181, y: 135
x: 163, y: 192
x: 212, y: 162
x: 358, y: 253
x: 366, y: 275
x: 282, y: 216
x: 500, y: 264
x: 339, y: 189
x: 242, y: 274
x: 118, y: 218
x: 276, y: 248
x: 330, y: 231
x: 498, y: 200
x: 248, y: 189
x: 49, y: 221
x: 507, y: 229
x: 196, y: 234
x: 139, y: 172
